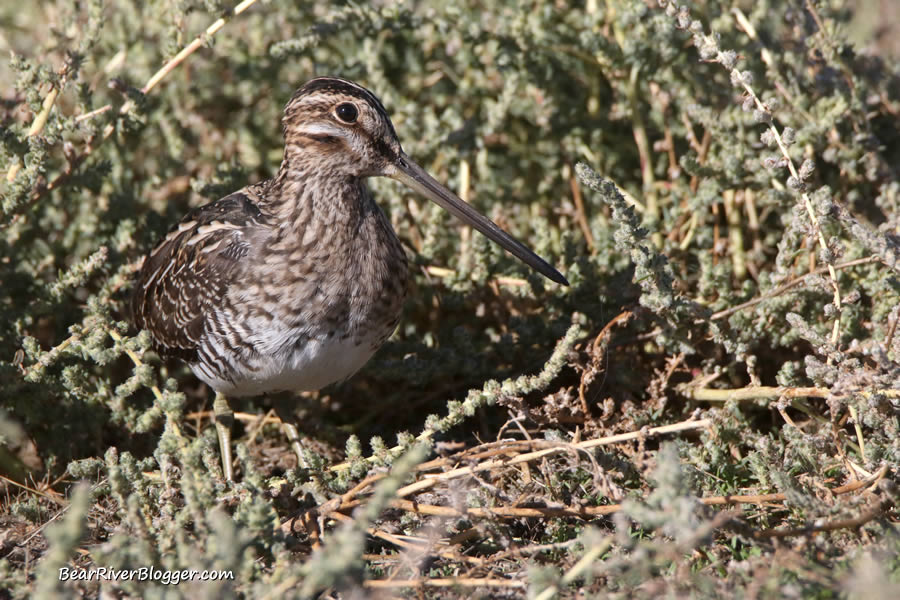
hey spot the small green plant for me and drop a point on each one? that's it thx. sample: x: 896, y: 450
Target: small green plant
x: 718, y: 181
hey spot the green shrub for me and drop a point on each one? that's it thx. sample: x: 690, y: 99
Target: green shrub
x: 720, y: 186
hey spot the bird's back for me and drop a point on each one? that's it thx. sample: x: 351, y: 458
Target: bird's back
x: 189, y: 271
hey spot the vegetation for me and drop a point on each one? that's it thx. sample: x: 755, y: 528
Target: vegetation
x: 709, y: 410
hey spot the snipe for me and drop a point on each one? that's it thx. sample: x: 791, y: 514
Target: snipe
x: 294, y: 282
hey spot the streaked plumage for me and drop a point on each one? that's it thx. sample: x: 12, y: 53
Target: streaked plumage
x: 294, y: 282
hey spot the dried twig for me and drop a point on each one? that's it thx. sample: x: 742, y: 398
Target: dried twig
x: 874, y: 511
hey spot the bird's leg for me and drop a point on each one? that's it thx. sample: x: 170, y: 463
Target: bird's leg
x: 224, y: 421
x: 283, y: 410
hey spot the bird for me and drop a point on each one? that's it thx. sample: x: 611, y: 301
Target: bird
x: 293, y: 283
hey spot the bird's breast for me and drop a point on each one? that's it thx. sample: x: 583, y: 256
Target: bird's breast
x: 312, y: 312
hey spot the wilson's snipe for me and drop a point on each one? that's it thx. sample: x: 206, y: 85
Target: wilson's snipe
x: 294, y: 282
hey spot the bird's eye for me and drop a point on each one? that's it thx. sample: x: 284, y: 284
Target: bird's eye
x: 346, y: 112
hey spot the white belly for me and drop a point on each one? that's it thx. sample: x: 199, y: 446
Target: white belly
x: 291, y: 366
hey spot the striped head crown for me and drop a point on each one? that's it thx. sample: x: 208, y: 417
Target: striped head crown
x: 342, y: 125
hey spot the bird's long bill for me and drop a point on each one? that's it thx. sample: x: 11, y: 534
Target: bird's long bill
x: 415, y: 177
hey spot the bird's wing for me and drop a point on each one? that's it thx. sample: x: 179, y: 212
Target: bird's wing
x: 186, y: 276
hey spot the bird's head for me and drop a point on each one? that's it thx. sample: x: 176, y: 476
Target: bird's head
x: 340, y: 125
x: 334, y: 127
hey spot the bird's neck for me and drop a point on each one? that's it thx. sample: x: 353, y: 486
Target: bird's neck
x: 306, y: 191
